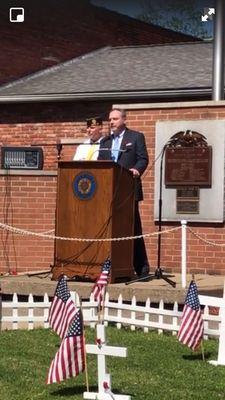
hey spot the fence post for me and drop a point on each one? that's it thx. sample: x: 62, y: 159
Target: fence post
x: 46, y: 310
x: 175, y: 319
x: 0, y: 308
x: 15, y: 312
x: 147, y: 306
x: 221, y: 348
x: 119, y: 311
x: 133, y: 313
x: 183, y: 253
x: 30, y: 312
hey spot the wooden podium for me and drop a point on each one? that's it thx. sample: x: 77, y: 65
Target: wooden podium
x: 95, y: 199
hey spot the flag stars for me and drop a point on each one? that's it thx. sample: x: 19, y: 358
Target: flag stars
x: 106, y: 266
x: 62, y: 290
x: 192, y: 297
x: 75, y: 328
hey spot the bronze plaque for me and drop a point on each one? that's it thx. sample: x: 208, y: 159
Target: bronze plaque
x: 188, y: 192
x: 187, y: 200
x: 187, y: 207
x: 188, y: 166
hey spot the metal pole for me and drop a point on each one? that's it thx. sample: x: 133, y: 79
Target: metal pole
x: 183, y: 253
x: 218, y: 52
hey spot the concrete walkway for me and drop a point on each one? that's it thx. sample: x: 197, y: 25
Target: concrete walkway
x: 156, y: 289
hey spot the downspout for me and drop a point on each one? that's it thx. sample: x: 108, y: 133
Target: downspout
x: 218, y: 52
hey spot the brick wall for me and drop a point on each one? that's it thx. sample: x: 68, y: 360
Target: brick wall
x: 201, y: 258
x: 28, y: 201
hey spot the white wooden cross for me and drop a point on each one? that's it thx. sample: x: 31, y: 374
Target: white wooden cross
x: 104, y: 380
x: 217, y: 302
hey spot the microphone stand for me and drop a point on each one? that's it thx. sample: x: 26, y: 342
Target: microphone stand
x: 158, y: 272
x: 59, y: 146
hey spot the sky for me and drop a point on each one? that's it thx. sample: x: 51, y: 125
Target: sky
x: 166, y: 11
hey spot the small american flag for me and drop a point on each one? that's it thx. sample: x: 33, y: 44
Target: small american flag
x: 101, y: 283
x: 192, y: 327
x: 62, y: 309
x: 69, y: 360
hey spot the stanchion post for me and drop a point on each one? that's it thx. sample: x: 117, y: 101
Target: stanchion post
x: 183, y: 253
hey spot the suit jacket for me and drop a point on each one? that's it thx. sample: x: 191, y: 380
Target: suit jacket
x: 135, y: 155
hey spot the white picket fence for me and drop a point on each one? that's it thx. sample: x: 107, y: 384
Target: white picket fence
x: 30, y: 314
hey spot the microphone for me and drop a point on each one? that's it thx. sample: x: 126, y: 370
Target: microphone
x: 110, y: 149
x: 127, y: 148
x: 85, y: 143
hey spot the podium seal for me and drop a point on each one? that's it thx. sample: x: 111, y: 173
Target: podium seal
x: 84, y: 186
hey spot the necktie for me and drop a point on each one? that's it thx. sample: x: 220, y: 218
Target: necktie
x: 115, y: 148
x: 91, y: 152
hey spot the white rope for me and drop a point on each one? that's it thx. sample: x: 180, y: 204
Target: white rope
x: 205, y: 240
x: 46, y: 235
x: 50, y: 231
x: 25, y: 232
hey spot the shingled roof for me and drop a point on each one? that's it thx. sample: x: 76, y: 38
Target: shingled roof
x: 138, y: 71
x: 55, y: 31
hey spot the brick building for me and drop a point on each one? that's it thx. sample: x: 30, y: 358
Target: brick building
x: 46, y: 108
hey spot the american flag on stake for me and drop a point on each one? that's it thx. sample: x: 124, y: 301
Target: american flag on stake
x: 101, y: 283
x: 69, y: 360
x: 62, y: 309
x: 191, y: 329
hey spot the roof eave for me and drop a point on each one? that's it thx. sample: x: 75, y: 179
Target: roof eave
x: 93, y: 96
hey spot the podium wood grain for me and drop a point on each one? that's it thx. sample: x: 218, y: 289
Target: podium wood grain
x: 109, y: 213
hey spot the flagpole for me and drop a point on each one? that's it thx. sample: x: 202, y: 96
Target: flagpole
x: 203, y: 354
x: 103, y: 298
x: 85, y: 353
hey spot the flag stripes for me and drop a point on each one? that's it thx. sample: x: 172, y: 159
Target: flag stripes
x: 61, y: 315
x: 62, y: 309
x: 101, y: 283
x: 192, y: 327
x: 69, y: 360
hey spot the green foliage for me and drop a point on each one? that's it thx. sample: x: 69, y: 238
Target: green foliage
x: 157, y: 367
x: 176, y: 15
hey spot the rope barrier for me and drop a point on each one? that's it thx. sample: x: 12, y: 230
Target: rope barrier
x: 205, y: 240
x: 25, y: 232
x: 46, y: 235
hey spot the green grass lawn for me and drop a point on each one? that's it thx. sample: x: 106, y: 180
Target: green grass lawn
x: 157, y: 367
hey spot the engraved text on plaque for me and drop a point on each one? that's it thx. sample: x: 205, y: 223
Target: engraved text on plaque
x: 186, y: 166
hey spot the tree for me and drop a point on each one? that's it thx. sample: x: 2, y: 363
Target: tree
x: 178, y: 16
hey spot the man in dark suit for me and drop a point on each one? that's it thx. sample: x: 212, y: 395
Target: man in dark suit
x: 128, y: 149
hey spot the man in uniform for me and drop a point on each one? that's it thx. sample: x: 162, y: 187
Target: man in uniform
x: 89, y: 150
